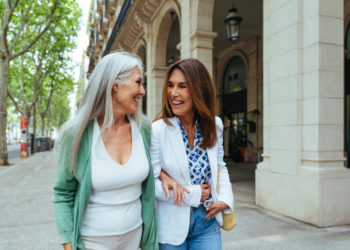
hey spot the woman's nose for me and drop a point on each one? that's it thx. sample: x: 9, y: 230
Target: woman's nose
x: 174, y: 91
x: 142, y: 90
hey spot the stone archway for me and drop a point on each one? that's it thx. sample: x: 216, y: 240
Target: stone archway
x: 162, y: 25
x: 234, y: 106
x: 225, y: 60
x: 161, y: 28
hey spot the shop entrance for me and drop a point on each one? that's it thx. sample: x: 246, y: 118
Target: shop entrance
x: 235, y: 107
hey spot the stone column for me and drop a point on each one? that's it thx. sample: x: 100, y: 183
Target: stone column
x: 197, y: 34
x: 185, y: 45
x: 158, y: 76
x: 303, y: 174
x: 202, y: 48
x: 155, y: 75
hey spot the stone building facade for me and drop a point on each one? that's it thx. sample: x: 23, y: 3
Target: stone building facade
x: 283, y: 85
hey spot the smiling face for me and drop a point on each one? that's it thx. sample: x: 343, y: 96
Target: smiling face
x: 178, y: 94
x: 127, y: 95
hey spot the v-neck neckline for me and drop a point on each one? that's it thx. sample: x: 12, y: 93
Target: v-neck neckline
x: 100, y: 140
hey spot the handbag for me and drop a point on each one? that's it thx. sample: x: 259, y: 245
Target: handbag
x: 228, y: 220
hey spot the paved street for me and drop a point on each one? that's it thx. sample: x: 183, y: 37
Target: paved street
x: 13, y: 150
x: 27, y: 215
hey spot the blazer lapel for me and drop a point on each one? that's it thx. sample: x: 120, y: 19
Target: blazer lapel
x: 178, y: 148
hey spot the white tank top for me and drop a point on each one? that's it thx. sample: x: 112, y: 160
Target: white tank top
x: 114, y: 207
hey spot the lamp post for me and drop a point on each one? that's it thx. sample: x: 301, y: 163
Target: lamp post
x: 232, y: 22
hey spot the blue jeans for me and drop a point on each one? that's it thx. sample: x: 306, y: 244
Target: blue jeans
x: 203, y: 234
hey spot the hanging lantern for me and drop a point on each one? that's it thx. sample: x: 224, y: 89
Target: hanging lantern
x: 232, y: 22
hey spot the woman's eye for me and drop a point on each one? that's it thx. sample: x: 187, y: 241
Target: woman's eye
x: 170, y: 85
x: 183, y: 86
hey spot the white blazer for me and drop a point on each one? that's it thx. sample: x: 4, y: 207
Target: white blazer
x: 168, y: 153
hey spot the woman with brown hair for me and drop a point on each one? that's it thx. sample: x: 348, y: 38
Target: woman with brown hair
x: 186, y: 152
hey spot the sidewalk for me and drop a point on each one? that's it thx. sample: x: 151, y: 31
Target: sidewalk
x: 28, y: 221
x: 27, y: 216
x: 261, y: 229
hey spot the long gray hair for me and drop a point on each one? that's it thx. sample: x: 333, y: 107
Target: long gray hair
x: 97, y: 99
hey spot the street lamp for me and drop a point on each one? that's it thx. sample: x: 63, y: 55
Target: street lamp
x: 232, y: 22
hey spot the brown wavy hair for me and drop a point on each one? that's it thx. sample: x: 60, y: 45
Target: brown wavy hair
x: 202, y: 91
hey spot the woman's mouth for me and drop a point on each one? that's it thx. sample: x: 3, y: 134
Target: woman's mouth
x: 177, y: 102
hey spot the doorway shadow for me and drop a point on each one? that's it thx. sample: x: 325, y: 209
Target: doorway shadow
x: 240, y: 171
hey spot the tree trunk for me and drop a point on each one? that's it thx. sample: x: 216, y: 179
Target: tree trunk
x: 4, y: 66
x: 49, y: 121
x: 34, y: 129
x: 42, y: 116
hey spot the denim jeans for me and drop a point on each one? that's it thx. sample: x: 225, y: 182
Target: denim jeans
x: 203, y: 234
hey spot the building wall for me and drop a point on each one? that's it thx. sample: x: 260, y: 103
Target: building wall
x: 295, y: 79
x: 303, y: 174
x: 101, y: 22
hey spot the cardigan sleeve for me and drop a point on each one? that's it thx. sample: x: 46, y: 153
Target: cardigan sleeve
x: 149, y: 235
x: 64, y: 193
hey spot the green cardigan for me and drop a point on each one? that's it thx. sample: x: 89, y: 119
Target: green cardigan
x: 72, y: 193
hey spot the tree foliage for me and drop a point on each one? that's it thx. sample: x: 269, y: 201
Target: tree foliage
x: 35, y: 66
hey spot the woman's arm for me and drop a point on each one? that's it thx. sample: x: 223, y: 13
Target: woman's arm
x: 169, y: 183
x: 63, y: 195
x: 67, y: 246
x: 192, y: 199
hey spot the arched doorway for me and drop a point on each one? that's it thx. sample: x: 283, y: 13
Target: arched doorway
x: 168, y: 35
x: 235, y: 106
x: 167, y: 26
x: 347, y: 97
x: 172, y: 53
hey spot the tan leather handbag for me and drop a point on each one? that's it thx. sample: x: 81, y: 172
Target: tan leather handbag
x: 229, y: 220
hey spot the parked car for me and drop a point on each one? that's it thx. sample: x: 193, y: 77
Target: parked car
x: 44, y: 143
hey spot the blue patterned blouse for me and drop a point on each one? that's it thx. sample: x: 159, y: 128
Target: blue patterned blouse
x: 198, y: 161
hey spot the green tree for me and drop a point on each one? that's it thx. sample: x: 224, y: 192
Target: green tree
x: 61, y: 88
x: 22, y: 25
x: 17, y: 16
x: 60, y: 110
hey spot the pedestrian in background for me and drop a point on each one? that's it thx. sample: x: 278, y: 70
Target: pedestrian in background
x: 186, y: 153
x: 104, y: 191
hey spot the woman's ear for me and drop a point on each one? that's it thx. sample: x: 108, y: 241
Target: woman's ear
x: 115, y: 88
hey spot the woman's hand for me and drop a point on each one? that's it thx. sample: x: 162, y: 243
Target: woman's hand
x: 205, y: 191
x: 67, y: 246
x: 169, y: 183
x: 215, y: 208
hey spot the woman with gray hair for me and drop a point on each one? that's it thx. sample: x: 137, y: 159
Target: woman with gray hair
x: 104, y: 191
